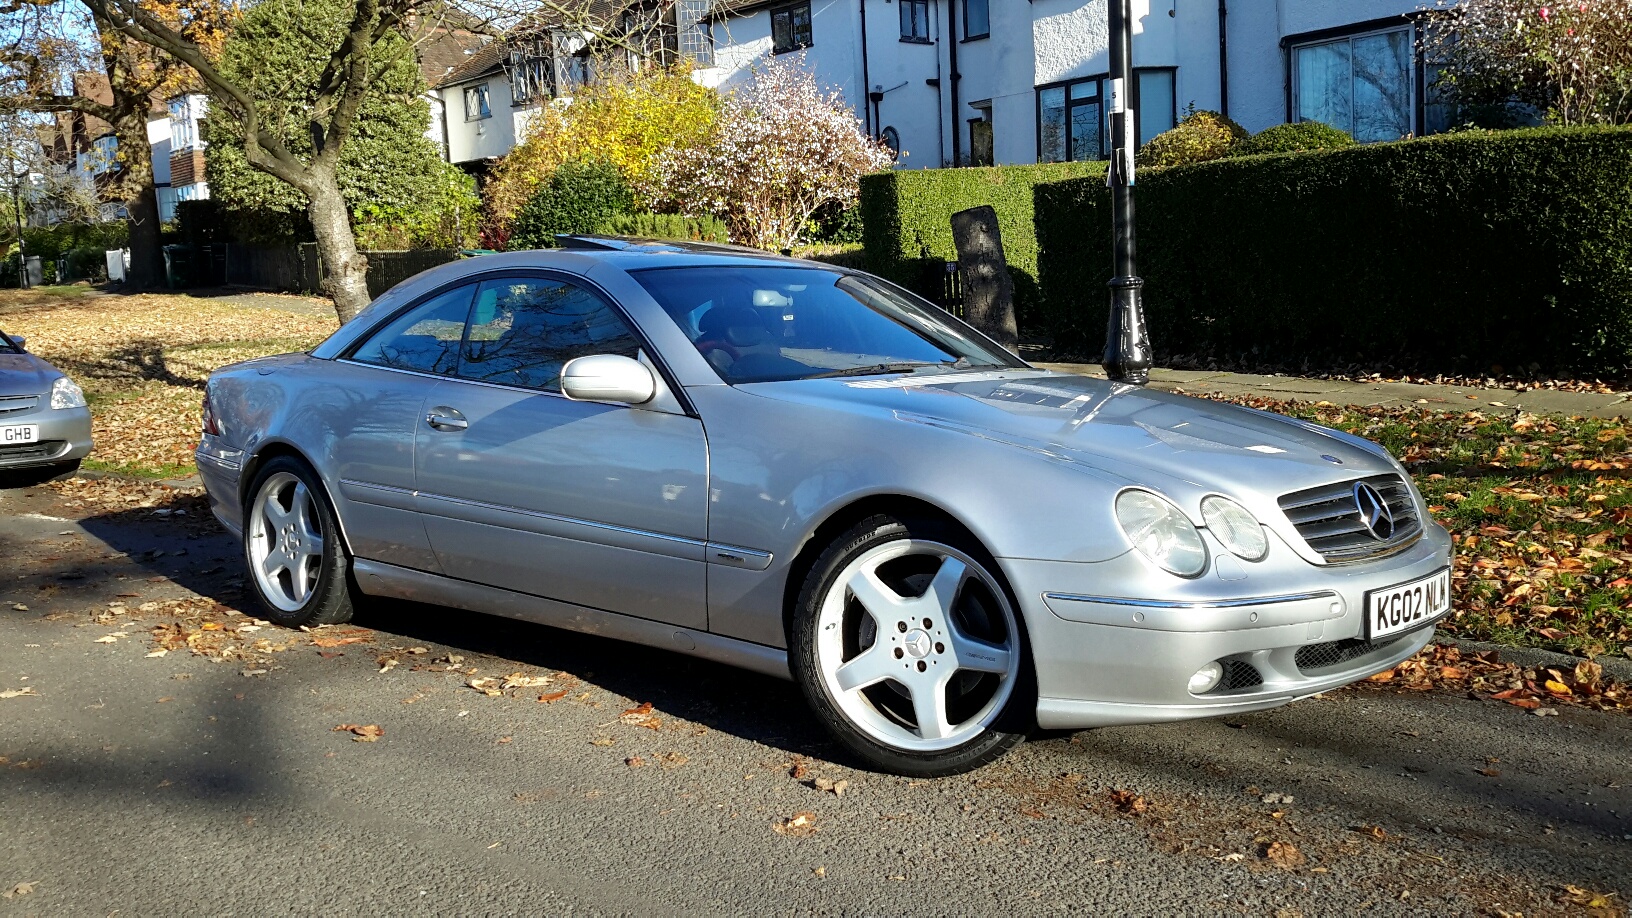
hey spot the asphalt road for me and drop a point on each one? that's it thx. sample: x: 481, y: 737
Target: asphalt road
x: 217, y: 783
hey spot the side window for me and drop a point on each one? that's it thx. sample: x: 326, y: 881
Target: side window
x: 425, y: 338
x: 523, y: 330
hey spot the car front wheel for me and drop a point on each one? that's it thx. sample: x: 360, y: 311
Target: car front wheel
x: 292, y: 547
x: 907, y: 645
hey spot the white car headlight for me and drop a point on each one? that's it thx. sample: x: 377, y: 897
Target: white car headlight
x: 1235, y: 528
x: 1161, y: 532
x: 65, y: 393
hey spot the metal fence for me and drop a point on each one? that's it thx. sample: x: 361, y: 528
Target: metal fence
x: 388, y: 269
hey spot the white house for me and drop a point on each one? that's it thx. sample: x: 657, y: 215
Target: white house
x: 983, y: 81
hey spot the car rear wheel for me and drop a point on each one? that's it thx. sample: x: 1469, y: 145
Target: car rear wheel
x: 907, y: 645
x: 292, y: 547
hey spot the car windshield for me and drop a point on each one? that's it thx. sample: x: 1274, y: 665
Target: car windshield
x: 761, y: 324
x: 7, y: 346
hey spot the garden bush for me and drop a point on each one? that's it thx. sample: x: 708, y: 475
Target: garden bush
x: 665, y: 226
x: 1200, y: 137
x: 906, y: 220
x: 1303, y: 137
x: 1456, y: 253
x: 578, y: 198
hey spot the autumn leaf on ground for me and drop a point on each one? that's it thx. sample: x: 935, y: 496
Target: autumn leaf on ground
x: 21, y: 889
x: 1127, y: 801
x: 634, y: 761
x: 487, y: 685
x: 1283, y: 855
x: 799, y: 824
x: 323, y: 641
x: 827, y: 785
x: 553, y: 697
x: 386, y: 662
x: 672, y: 759
x: 362, y: 733
x: 1587, y: 898
x: 522, y: 680
x: 1377, y: 832
x: 27, y: 690
x: 641, y: 716
x: 798, y: 771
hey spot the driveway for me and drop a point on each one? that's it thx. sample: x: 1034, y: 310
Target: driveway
x: 433, y: 760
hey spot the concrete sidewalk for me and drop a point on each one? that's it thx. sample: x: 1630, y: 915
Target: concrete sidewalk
x: 1390, y: 394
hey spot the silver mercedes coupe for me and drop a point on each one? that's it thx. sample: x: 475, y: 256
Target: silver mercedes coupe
x: 810, y: 472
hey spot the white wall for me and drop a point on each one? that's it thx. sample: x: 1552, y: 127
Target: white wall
x: 491, y: 136
x: 158, y: 141
x: 835, y: 34
x: 898, y: 69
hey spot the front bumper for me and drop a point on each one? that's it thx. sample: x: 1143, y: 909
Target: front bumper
x: 1283, y: 629
x: 221, y: 468
x: 65, y: 436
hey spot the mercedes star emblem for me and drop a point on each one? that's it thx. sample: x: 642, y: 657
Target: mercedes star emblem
x: 1374, y: 512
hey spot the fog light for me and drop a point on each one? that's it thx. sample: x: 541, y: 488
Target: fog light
x: 1205, y: 678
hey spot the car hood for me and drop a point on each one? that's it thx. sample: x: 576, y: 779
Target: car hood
x: 1141, y: 436
x: 25, y: 374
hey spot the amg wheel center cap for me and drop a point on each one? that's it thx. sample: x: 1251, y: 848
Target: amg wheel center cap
x: 918, y: 644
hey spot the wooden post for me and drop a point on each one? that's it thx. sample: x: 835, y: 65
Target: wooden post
x: 988, y: 290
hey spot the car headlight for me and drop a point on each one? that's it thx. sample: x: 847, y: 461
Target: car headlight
x: 1161, y: 532
x: 65, y: 393
x: 1235, y: 528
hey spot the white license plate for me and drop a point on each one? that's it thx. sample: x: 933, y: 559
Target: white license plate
x: 19, y: 433
x: 1407, y: 606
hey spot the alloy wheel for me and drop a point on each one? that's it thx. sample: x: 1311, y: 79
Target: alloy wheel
x: 285, y: 542
x: 917, y: 645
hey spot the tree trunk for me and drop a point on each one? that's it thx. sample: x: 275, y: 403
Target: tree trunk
x: 345, y: 270
x: 135, y: 188
x: 988, y: 290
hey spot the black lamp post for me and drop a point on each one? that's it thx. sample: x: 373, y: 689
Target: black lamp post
x: 1127, y: 345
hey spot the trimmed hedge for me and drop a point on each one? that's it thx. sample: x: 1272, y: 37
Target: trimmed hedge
x: 1454, y: 253
x: 1302, y: 137
x: 906, y: 218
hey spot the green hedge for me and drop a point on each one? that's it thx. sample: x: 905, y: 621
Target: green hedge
x: 1454, y: 253
x: 906, y: 217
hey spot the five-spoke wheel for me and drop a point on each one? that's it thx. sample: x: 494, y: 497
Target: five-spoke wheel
x: 293, y: 556
x: 908, y: 636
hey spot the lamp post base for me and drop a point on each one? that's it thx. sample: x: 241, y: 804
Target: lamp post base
x: 1127, y: 345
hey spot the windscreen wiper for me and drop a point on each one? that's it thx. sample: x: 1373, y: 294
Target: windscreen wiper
x: 875, y: 369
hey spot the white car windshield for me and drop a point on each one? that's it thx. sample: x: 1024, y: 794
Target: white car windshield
x: 762, y: 324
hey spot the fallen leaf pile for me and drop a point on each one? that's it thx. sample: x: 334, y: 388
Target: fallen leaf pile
x: 1484, y: 675
x: 1126, y: 801
x: 208, y: 629
x: 182, y: 506
x: 1539, y: 508
x: 641, y: 716
x: 142, y: 361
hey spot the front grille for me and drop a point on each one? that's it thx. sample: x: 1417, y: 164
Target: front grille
x: 10, y: 403
x: 1332, y: 654
x: 1329, y: 519
x: 1239, y: 674
x: 44, y: 449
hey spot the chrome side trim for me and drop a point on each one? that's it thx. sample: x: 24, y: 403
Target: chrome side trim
x: 380, y: 579
x: 736, y: 556
x: 1200, y: 604
x: 228, y: 464
x: 568, y: 520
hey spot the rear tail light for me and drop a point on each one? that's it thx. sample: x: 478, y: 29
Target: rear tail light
x: 210, y: 426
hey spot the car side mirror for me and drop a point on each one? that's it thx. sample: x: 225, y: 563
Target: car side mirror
x: 18, y: 340
x: 608, y: 378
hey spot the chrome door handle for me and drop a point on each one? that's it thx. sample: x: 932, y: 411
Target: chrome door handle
x: 442, y: 418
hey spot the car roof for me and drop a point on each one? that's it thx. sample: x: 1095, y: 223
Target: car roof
x: 633, y: 254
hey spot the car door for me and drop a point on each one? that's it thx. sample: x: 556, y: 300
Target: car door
x: 520, y: 487
x: 371, y: 404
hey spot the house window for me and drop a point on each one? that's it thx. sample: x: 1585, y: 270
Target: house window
x: 476, y: 103
x: 790, y: 29
x: 977, y: 19
x: 915, y: 20
x: 1071, y: 122
x: 531, y: 71
x: 184, y: 115
x: 1362, y: 84
x: 891, y: 138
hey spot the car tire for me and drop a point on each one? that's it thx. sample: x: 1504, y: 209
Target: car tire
x: 292, y: 547
x: 905, y: 622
